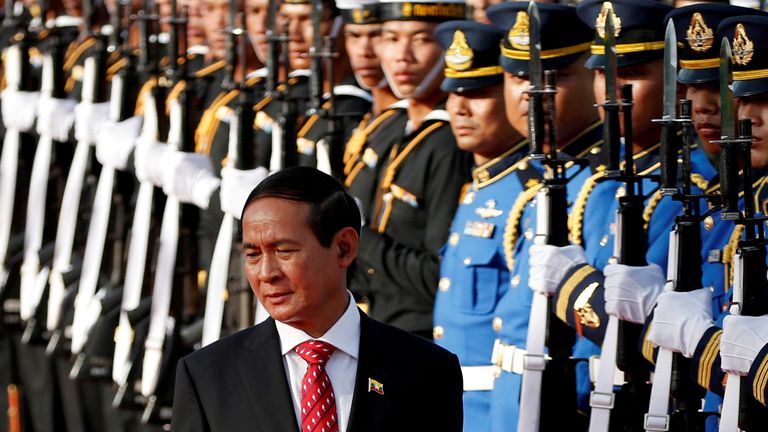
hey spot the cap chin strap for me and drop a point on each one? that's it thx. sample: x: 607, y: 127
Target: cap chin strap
x: 435, y: 73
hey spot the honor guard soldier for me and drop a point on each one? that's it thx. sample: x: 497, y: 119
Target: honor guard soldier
x: 473, y: 268
x: 733, y: 344
x: 420, y: 179
x: 578, y: 132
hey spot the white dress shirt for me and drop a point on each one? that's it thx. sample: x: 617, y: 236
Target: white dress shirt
x: 341, y: 367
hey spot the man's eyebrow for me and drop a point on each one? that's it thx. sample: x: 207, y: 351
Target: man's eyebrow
x: 276, y: 243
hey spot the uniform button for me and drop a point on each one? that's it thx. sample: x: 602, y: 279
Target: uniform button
x: 444, y: 284
x: 515, y: 281
x: 438, y: 333
x: 604, y: 240
x: 529, y: 234
x: 709, y: 223
x: 453, y: 240
x: 523, y: 166
x: 467, y: 261
x: 620, y: 192
x: 497, y: 324
x: 371, y: 270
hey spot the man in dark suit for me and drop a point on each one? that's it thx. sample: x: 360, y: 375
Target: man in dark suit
x: 318, y: 361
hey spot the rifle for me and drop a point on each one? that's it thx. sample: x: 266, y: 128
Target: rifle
x: 223, y: 271
x: 684, y: 265
x: 284, y: 150
x: 544, y: 328
x: 750, y: 288
x: 176, y: 263
x: 621, y: 338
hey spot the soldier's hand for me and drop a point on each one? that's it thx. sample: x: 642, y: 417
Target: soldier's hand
x: 19, y: 109
x: 681, y: 319
x: 631, y: 292
x: 236, y: 185
x: 88, y: 119
x: 549, y: 265
x: 743, y: 338
x: 116, y: 141
x: 149, y: 160
x: 189, y: 177
x: 55, y: 117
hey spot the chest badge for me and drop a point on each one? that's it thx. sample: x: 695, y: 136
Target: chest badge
x: 489, y: 210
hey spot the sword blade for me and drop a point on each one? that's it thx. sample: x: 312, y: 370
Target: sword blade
x: 670, y: 72
x: 727, y: 125
x: 534, y: 35
x: 610, y: 60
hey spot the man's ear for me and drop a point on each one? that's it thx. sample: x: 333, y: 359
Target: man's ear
x: 346, y: 243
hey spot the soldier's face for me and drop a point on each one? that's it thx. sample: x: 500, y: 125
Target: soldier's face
x: 298, y: 18
x: 755, y: 108
x: 215, y: 16
x: 296, y: 279
x: 479, y: 7
x: 705, y: 107
x: 647, y: 86
x: 195, y: 26
x: 478, y: 122
x: 574, y: 102
x: 408, y: 52
x: 360, y: 40
x: 256, y: 12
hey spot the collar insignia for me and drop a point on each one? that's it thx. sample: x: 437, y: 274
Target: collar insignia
x: 601, y: 18
x: 699, y: 36
x: 518, y: 35
x: 489, y: 211
x: 743, y: 48
x: 459, y: 55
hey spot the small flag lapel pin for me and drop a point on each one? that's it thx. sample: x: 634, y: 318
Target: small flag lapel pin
x: 375, y: 386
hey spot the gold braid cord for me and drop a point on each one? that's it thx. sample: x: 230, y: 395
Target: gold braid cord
x: 728, y: 253
x: 576, y: 218
x: 512, y: 231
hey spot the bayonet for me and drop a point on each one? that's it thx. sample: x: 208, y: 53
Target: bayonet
x: 612, y: 128
x: 729, y: 175
x: 535, y: 106
x: 670, y: 142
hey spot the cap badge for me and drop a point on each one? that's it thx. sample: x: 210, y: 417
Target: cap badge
x: 743, y: 48
x: 699, y: 36
x: 459, y: 55
x: 601, y: 18
x: 518, y: 35
x: 360, y: 15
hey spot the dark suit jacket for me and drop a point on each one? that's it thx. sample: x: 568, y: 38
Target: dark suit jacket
x: 239, y: 384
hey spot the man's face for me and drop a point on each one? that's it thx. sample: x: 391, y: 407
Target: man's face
x: 215, y: 16
x: 478, y: 122
x: 408, y: 51
x: 195, y: 26
x: 256, y: 12
x: 479, y: 7
x: 360, y: 41
x: 292, y: 274
x: 647, y: 86
x: 705, y: 107
x: 299, y: 21
x: 755, y: 108
x: 574, y: 101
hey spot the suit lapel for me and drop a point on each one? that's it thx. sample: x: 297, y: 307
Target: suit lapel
x: 264, y: 378
x: 369, y: 409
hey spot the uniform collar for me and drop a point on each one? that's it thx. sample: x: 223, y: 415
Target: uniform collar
x: 589, y: 138
x: 498, y: 167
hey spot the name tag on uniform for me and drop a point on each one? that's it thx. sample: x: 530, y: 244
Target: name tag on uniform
x: 479, y: 229
x: 715, y: 256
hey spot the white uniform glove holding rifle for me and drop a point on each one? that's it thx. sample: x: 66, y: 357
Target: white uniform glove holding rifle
x: 743, y: 338
x: 681, y: 319
x: 116, y: 140
x: 88, y: 119
x: 236, y: 185
x: 631, y: 292
x: 549, y: 265
x: 55, y: 117
x: 189, y: 177
x: 19, y: 109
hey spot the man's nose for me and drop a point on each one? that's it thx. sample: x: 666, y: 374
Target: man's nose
x: 268, y: 268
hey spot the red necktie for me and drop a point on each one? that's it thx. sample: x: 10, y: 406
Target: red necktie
x: 318, y: 405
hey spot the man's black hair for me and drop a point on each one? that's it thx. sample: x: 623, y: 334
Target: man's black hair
x: 331, y: 207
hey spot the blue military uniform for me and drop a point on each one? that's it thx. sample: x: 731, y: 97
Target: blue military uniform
x: 473, y: 269
x: 513, y: 309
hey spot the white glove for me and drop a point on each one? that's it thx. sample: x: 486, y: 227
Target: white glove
x: 19, y: 109
x: 631, y: 292
x: 149, y: 161
x: 681, y: 319
x: 236, y: 185
x: 55, y: 117
x: 88, y: 119
x: 189, y: 177
x: 115, y: 142
x: 549, y: 264
x: 743, y: 338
